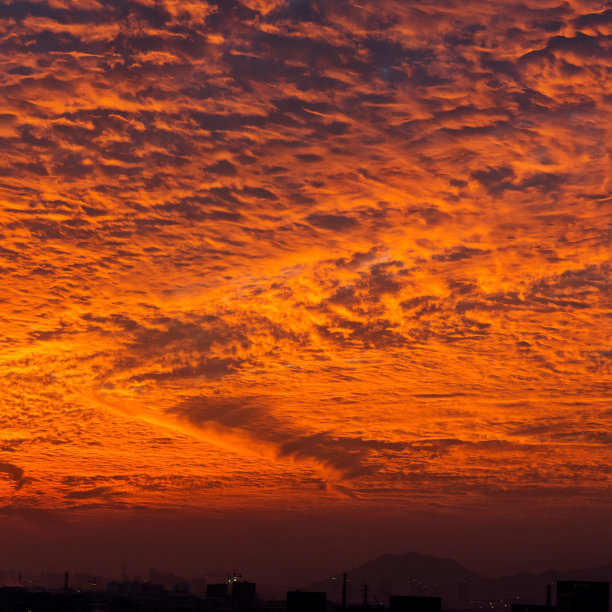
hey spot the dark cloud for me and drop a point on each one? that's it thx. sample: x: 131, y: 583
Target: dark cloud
x: 223, y: 167
x: 253, y: 416
x: 377, y: 334
x: 594, y: 19
x: 336, y: 223
x: 458, y: 253
x: 228, y: 411
x: 14, y: 473
x: 343, y: 453
x: 200, y: 335
x: 359, y: 259
x: 96, y: 492
x: 209, y: 368
x: 308, y: 157
x: 495, y: 179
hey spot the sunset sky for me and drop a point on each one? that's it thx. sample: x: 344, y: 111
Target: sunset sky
x: 275, y: 265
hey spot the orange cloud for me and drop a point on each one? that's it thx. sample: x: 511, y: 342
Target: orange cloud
x: 314, y: 249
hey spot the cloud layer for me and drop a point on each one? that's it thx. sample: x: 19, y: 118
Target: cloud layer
x: 283, y: 250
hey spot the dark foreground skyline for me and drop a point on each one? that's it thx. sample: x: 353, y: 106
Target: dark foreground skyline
x: 412, y: 573
x: 408, y: 583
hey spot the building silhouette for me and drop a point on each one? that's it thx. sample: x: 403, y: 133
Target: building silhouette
x: 532, y: 608
x: 414, y: 603
x: 583, y: 596
x: 244, y: 596
x: 216, y: 591
x: 306, y: 601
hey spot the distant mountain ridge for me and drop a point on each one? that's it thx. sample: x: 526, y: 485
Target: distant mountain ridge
x: 418, y: 574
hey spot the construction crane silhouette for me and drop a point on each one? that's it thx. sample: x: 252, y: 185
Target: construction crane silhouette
x: 230, y: 576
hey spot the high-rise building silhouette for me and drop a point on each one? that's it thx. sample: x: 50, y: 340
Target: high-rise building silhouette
x: 244, y: 595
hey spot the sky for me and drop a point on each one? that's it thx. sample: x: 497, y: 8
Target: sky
x: 297, y: 283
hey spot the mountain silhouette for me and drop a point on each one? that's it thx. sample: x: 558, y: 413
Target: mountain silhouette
x: 418, y: 574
